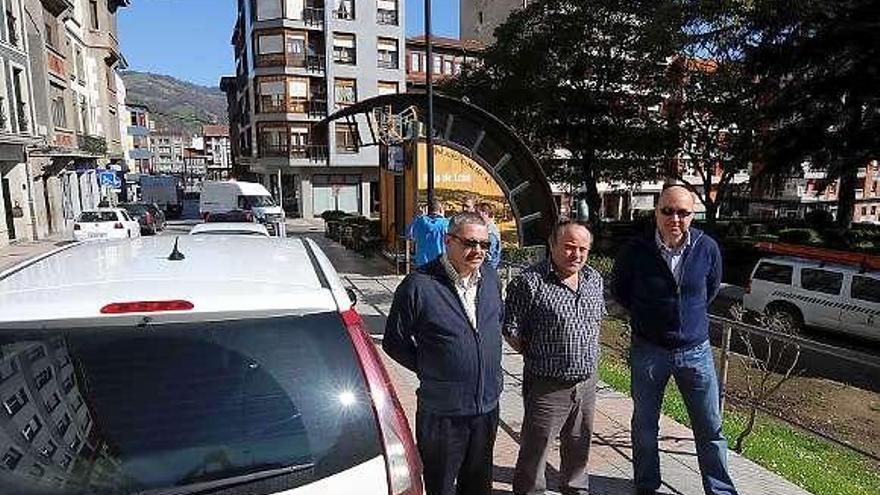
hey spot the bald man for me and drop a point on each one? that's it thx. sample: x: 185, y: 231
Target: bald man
x: 666, y: 280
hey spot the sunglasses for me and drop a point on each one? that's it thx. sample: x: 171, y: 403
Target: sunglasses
x: 668, y: 212
x: 472, y: 243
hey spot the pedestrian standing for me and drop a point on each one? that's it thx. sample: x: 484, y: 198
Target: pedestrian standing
x: 445, y: 325
x: 493, y: 257
x: 429, y: 234
x: 666, y: 280
x: 553, y: 314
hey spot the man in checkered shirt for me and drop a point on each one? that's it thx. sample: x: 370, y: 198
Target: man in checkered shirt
x: 552, y: 316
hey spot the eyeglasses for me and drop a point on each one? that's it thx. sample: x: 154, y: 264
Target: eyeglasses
x: 472, y: 243
x: 668, y: 212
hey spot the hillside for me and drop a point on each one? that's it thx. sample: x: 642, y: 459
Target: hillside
x: 175, y: 105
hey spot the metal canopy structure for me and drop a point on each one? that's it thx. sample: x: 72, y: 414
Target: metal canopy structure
x: 475, y: 133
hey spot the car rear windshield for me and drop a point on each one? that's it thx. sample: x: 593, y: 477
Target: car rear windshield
x: 98, y: 216
x: 136, y: 209
x: 261, y: 404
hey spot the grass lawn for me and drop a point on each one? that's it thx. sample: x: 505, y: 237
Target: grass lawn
x: 818, y: 466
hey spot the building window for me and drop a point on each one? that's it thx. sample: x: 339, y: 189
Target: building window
x: 14, y: 403
x: 68, y: 383
x: 387, y: 53
x: 480, y: 17
x: 273, y: 140
x: 387, y: 87
x: 93, y: 14
x: 80, y: 66
x: 416, y: 63
x: 346, y: 137
x: 344, y: 10
x: 51, y: 35
x: 52, y: 402
x: 268, y: 9
x: 344, y: 51
x: 296, y: 49
x: 59, y: 109
x: 345, y: 91
x: 63, y: 424
x: 31, y: 429
x: 294, y: 9
x: 49, y: 449
x: 21, y: 110
x: 386, y: 12
x: 11, y: 459
x: 297, y: 95
x: 12, y: 27
x: 43, y: 377
x: 271, y: 96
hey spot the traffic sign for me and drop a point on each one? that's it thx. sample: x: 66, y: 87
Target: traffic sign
x: 109, y: 178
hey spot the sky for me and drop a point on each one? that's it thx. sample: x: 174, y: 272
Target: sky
x: 190, y: 39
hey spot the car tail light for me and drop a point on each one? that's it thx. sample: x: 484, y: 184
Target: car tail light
x: 749, y: 287
x: 146, y: 307
x: 77, y: 226
x: 401, y: 457
x: 118, y: 225
x: 149, y: 217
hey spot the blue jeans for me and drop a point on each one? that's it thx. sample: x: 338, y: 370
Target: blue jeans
x: 694, y: 373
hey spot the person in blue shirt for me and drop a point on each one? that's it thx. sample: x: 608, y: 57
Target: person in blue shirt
x: 429, y: 234
x: 493, y: 257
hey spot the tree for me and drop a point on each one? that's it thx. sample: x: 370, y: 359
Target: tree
x: 710, y: 108
x: 819, y: 61
x: 581, y: 78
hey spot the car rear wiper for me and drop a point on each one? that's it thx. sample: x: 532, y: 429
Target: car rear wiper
x: 206, y: 487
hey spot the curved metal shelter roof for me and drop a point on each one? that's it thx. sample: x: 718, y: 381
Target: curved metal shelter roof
x: 482, y: 137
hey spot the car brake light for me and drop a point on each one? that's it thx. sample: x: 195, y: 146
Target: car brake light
x: 117, y: 225
x: 149, y: 217
x: 401, y: 457
x: 146, y: 307
x: 749, y: 287
x: 77, y: 226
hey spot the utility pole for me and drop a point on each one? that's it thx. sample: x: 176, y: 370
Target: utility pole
x: 429, y: 128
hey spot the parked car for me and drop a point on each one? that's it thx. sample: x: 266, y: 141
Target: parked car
x: 805, y: 292
x: 159, y: 214
x: 105, y: 223
x: 146, y: 217
x: 230, y: 228
x: 162, y: 367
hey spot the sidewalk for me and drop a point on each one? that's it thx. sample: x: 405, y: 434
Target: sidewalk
x: 610, y: 458
x: 20, y: 251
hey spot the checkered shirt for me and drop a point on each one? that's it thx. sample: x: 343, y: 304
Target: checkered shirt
x: 559, y: 327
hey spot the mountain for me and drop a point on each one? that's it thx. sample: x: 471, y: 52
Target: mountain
x: 176, y: 106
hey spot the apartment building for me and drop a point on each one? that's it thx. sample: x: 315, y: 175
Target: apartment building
x: 59, y: 119
x: 449, y: 54
x: 296, y: 62
x: 167, y: 152
x: 139, y: 132
x: 218, y: 152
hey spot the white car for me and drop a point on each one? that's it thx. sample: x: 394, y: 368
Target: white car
x: 230, y: 228
x: 105, y: 223
x: 169, y: 366
x: 805, y: 292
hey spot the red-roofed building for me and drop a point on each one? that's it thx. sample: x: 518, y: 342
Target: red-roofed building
x: 449, y: 56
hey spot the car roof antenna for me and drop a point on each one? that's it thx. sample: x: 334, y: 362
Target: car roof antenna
x: 176, y: 255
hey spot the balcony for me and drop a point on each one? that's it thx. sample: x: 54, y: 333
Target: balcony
x: 386, y: 17
x: 311, y: 152
x: 314, y: 107
x: 312, y: 63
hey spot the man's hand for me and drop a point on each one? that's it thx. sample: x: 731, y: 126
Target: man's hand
x: 514, y: 342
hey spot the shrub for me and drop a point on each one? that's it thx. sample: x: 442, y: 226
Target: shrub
x: 800, y: 236
x: 333, y: 215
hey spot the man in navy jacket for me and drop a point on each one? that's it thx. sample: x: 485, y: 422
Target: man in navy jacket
x: 445, y: 325
x: 666, y: 281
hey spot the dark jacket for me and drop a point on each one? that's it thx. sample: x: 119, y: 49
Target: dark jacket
x: 661, y: 311
x: 428, y: 331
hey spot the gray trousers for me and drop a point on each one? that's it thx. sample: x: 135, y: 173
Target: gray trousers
x: 554, y: 408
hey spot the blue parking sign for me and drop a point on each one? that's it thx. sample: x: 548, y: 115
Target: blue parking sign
x: 109, y: 178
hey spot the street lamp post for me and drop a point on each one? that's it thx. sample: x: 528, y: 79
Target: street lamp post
x: 429, y: 128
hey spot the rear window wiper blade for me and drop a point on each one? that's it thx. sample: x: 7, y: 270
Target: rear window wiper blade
x: 210, y: 486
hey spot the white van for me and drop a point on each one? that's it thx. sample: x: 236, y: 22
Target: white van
x: 223, y: 197
x: 805, y: 292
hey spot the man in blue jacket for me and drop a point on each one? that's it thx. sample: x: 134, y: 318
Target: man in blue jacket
x: 429, y: 234
x: 666, y: 281
x: 445, y: 325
